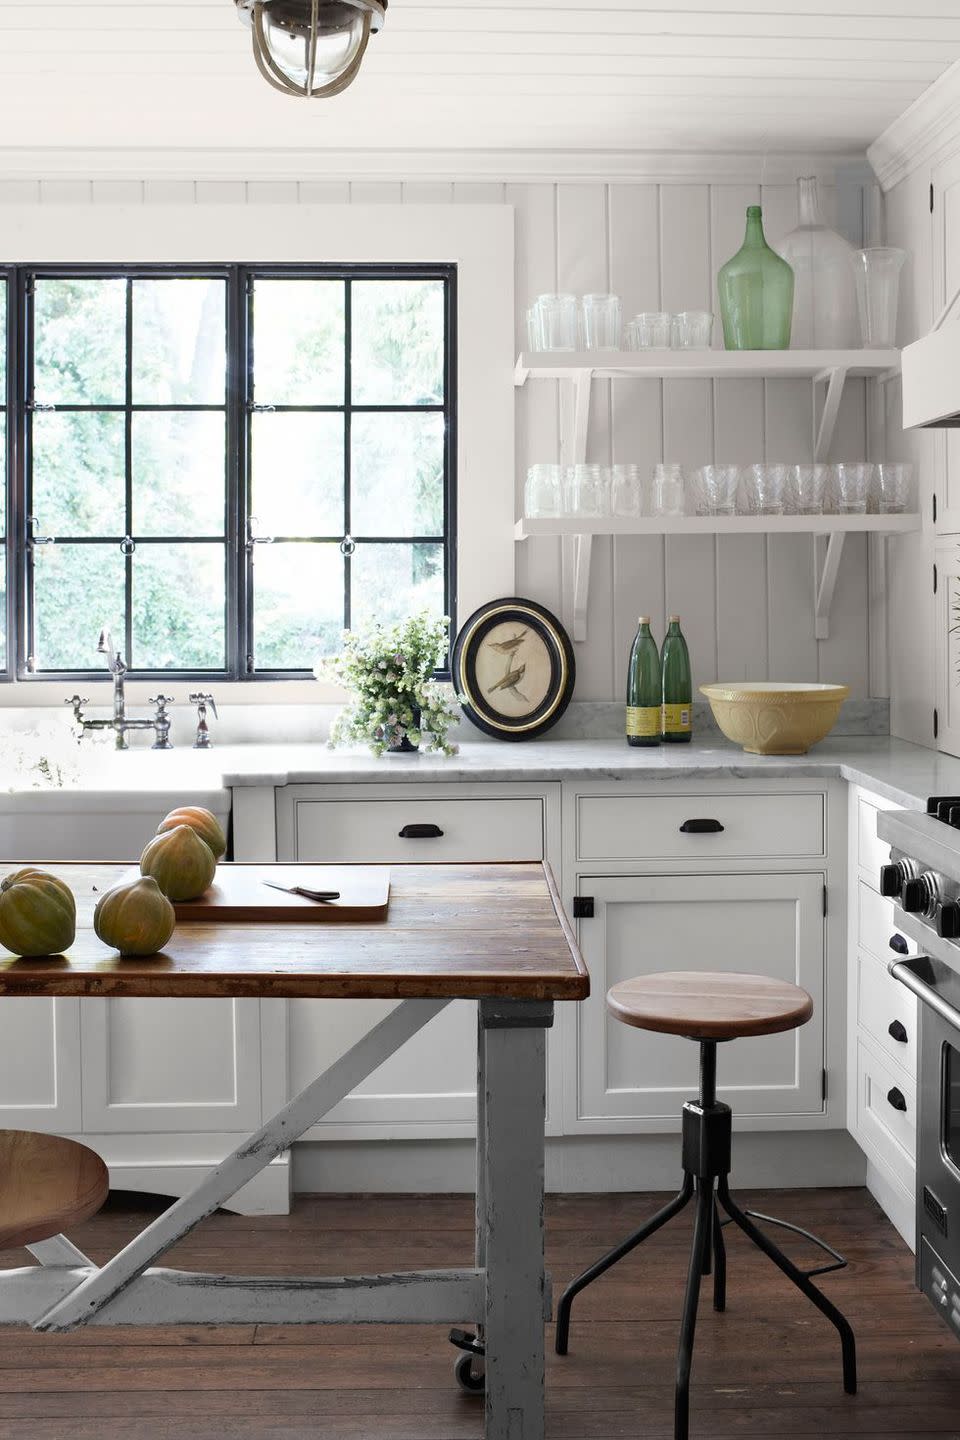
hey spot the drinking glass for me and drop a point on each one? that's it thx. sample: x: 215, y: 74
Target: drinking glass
x: 601, y: 322
x: 692, y: 330
x: 719, y: 485
x: 558, y: 321
x: 668, y: 490
x: 893, y: 485
x: 626, y: 497
x: 852, y: 482
x: 543, y: 495
x: 534, y: 332
x: 585, y: 491
x: 878, y: 292
x: 805, y: 491
x: 652, y: 329
x: 765, y: 488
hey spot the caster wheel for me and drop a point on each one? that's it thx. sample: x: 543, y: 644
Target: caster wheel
x: 470, y: 1374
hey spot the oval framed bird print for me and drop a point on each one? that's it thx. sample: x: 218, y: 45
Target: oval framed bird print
x: 513, y: 669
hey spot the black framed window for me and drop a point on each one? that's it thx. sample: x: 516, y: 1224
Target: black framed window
x: 6, y: 617
x: 228, y: 465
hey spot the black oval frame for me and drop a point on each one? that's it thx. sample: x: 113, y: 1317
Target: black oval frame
x: 563, y: 668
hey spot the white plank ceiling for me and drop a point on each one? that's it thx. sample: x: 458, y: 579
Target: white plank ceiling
x: 698, y: 75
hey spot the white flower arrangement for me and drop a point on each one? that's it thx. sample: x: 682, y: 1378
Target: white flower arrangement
x: 388, y: 671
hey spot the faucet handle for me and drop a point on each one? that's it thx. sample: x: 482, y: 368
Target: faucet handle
x: 202, y: 700
x: 78, y: 703
x: 161, y: 702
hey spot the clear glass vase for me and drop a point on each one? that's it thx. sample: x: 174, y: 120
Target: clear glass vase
x: 824, y: 290
x: 755, y: 288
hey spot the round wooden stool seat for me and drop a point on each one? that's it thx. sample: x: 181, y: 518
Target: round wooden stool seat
x: 709, y: 1005
x: 46, y: 1184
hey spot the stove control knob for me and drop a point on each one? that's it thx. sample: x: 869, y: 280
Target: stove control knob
x: 914, y: 896
x: 891, y: 879
x: 948, y: 920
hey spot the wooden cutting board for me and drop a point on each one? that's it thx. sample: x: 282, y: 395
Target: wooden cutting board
x: 238, y: 894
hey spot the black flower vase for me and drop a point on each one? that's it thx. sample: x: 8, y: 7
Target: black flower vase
x: 404, y: 746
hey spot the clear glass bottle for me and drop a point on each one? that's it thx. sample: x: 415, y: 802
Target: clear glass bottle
x: 644, y: 689
x: 755, y: 288
x: 824, y: 283
x: 677, y: 686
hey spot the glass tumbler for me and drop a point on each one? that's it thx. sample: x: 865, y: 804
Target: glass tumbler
x: 668, y: 490
x: 765, y: 488
x: 585, y: 491
x: 626, y: 497
x: 720, y: 484
x: 893, y: 486
x: 692, y: 330
x: 558, y: 321
x: 805, y: 491
x: 878, y: 293
x: 601, y: 322
x: 543, y: 495
x: 852, y: 484
x: 534, y: 333
x: 652, y: 329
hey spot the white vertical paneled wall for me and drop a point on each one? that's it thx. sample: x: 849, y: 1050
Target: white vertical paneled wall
x: 746, y: 601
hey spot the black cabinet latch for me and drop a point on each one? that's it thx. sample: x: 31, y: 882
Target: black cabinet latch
x: 583, y: 907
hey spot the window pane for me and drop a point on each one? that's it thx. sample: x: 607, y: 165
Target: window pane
x: 3, y: 484
x: 78, y: 473
x: 179, y: 342
x: 297, y: 474
x: 3, y: 611
x: 77, y: 590
x: 3, y: 342
x: 391, y: 582
x: 298, y: 599
x: 298, y: 345
x: 397, y: 474
x: 80, y: 342
x: 398, y: 334
x: 179, y: 607
x: 179, y: 473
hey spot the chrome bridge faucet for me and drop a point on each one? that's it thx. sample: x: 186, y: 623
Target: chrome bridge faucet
x: 120, y: 724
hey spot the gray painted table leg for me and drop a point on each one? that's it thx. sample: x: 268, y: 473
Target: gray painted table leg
x: 513, y: 1111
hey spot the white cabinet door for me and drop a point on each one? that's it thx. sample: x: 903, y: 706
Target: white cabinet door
x: 765, y: 924
x: 946, y: 279
x: 40, y: 1065
x: 162, y: 1064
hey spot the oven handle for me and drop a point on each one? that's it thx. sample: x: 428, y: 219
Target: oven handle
x: 901, y: 970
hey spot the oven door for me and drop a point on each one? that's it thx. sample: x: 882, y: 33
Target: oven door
x: 937, y: 985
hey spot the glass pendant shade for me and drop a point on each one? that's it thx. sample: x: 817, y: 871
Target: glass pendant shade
x: 311, y: 48
x: 825, y: 295
x: 755, y: 289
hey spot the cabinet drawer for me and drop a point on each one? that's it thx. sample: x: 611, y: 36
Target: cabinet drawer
x: 370, y: 830
x: 887, y: 1130
x: 871, y: 851
x: 875, y: 924
x: 883, y: 1002
x: 641, y: 827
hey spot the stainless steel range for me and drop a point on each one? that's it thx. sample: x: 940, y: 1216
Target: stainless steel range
x: 924, y: 879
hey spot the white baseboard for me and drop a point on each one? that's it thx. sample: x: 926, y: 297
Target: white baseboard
x: 897, y: 1202
x: 266, y: 1194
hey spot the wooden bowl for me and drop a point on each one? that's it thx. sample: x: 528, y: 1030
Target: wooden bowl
x: 773, y: 717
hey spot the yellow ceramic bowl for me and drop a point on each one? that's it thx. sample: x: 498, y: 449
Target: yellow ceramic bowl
x: 773, y: 717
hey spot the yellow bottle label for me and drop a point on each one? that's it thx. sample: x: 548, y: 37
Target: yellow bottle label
x: 643, y: 721
x: 676, y: 719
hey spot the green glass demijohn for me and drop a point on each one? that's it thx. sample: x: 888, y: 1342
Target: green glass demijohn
x: 756, y: 293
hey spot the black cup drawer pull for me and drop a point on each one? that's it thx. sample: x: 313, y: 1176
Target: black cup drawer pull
x: 701, y: 827
x: 897, y: 1031
x: 421, y: 832
x: 898, y: 943
x: 897, y: 1099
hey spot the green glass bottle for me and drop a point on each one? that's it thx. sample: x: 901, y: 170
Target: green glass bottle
x: 755, y: 289
x: 644, y: 689
x: 677, y: 718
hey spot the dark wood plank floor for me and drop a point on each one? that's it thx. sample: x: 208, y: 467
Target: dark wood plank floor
x: 769, y: 1369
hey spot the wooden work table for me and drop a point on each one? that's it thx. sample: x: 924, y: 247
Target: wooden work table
x: 491, y: 933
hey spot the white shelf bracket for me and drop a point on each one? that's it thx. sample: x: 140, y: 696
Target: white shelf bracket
x: 823, y: 434
x: 825, y: 580
x: 577, y: 550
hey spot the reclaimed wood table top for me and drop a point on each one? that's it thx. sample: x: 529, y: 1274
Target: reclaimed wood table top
x: 452, y: 931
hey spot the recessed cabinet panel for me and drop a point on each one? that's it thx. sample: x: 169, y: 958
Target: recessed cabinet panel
x: 39, y: 1064
x: 886, y: 1114
x: 765, y: 924
x: 664, y: 827
x: 167, y: 1064
x: 887, y: 1010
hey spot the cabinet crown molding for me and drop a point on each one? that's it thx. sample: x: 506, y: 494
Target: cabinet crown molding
x: 930, y: 125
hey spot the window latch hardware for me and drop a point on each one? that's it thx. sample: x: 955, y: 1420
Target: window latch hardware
x: 347, y: 545
x: 37, y: 407
x: 33, y: 524
x: 128, y: 545
x: 261, y: 409
x: 253, y: 538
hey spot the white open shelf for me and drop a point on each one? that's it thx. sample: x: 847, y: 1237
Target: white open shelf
x: 704, y: 364
x: 721, y: 525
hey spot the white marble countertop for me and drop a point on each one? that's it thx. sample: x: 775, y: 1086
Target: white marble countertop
x: 903, y: 773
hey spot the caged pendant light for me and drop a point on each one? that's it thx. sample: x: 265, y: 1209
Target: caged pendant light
x: 311, y: 48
